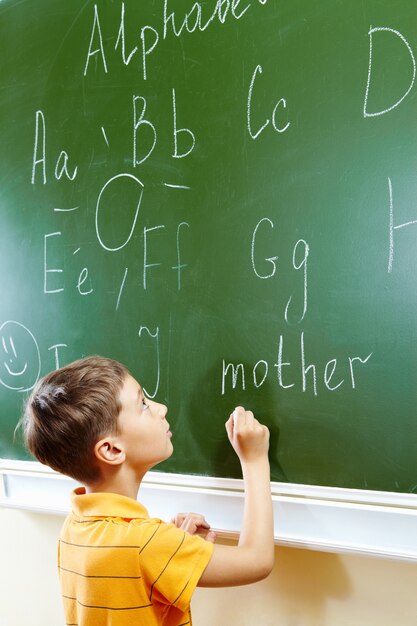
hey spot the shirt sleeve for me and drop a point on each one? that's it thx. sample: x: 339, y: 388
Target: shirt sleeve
x: 172, y: 562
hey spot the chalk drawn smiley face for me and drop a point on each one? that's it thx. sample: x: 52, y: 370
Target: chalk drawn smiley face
x: 20, y: 359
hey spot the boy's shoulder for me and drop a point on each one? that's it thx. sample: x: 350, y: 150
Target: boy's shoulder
x: 108, y: 519
x: 114, y: 520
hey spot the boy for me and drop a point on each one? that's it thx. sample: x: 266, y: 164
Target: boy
x: 91, y: 420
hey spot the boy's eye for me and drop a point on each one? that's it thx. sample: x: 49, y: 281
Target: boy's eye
x: 144, y: 403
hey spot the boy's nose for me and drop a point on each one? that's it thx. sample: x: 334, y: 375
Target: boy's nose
x: 162, y: 409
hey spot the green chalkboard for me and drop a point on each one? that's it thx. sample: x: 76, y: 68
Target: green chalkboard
x: 222, y: 195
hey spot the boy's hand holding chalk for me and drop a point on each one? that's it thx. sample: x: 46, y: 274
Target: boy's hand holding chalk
x: 249, y: 438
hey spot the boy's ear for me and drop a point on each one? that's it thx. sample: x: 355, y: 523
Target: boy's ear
x: 109, y: 451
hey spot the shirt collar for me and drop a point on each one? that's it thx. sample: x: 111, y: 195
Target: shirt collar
x: 106, y: 504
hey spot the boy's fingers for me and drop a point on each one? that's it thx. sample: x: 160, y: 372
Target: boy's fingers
x: 237, y: 418
x: 193, y: 522
x: 186, y: 525
x: 229, y: 426
x: 179, y: 519
x: 243, y: 417
x: 239, y: 413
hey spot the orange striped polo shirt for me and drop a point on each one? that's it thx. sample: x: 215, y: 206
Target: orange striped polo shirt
x: 120, y: 567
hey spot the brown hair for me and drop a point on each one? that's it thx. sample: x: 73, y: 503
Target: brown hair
x: 69, y: 410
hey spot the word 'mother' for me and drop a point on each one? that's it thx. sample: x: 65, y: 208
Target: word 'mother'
x: 288, y: 374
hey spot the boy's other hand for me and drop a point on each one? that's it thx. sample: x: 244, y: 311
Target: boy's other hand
x: 194, y: 524
x: 249, y: 438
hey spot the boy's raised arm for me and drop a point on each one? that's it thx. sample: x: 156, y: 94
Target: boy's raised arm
x: 253, y: 558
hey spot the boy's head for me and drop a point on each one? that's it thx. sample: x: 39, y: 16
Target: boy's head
x: 69, y: 410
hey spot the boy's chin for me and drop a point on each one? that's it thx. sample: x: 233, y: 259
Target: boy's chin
x: 168, y: 455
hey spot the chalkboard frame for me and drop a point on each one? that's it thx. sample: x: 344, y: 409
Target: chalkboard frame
x: 329, y: 519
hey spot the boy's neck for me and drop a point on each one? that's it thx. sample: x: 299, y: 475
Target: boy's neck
x: 119, y: 482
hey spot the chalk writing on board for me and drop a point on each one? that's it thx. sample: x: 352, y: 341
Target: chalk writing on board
x: 82, y: 278
x: 155, y: 336
x: 197, y: 19
x: 40, y: 121
x: 47, y: 288
x: 147, y: 265
x: 393, y: 227
x: 140, y: 122
x: 282, y: 103
x: 20, y: 363
x: 39, y: 154
x: 92, y: 52
x: 146, y: 130
x: 172, y: 186
x: 61, y: 167
x: 149, y: 38
x: 105, y: 136
x: 126, y: 181
x: 53, y: 285
x: 120, y: 36
x: 121, y: 287
x: 394, y: 105
x: 270, y: 259
x: 56, y: 348
x: 177, y: 154
x: 303, y: 374
x: 299, y: 262
x: 179, y: 265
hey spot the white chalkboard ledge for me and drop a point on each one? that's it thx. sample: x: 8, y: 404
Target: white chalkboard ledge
x: 379, y: 524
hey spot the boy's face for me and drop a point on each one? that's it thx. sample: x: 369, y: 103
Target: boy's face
x: 144, y: 430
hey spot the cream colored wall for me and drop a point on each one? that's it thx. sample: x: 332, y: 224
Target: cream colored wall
x: 309, y: 588
x: 305, y: 589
